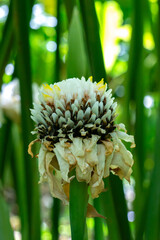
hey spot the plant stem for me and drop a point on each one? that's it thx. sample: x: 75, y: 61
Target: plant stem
x: 55, y: 218
x: 78, y: 208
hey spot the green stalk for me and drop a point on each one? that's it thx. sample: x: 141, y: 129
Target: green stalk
x: 69, y: 5
x: 152, y: 230
x: 56, y: 202
x: 55, y: 218
x: 91, y: 30
x: 78, y: 208
x: 120, y: 206
x: 6, y: 43
x: 136, y: 86
x: 135, y: 92
x: 98, y: 222
x: 58, y: 30
x: 153, y: 208
x: 18, y: 170
x: 5, y: 144
x: 110, y: 212
x: 6, y: 232
x: 21, y: 27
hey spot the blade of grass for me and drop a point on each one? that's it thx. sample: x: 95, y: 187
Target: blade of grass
x: 55, y: 218
x: 135, y: 92
x: 78, y: 208
x: 120, y: 206
x: 55, y: 213
x: 6, y: 43
x: 58, y: 30
x: 98, y: 222
x: 6, y: 232
x: 135, y: 83
x: 69, y: 8
x: 153, y: 209
x: 4, y: 140
x: 18, y: 170
x: 110, y: 212
x: 21, y: 26
x: 152, y: 230
x: 91, y: 30
x: 76, y: 61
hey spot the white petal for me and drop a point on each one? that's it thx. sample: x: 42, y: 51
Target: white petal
x: 80, y: 115
x: 59, y: 112
x: 55, y: 117
x: 87, y: 113
x: 67, y: 114
x: 95, y: 108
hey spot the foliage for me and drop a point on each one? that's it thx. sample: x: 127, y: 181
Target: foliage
x: 46, y: 41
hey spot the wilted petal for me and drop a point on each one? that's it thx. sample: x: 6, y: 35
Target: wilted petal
x: 41, y: 163
x: 95, y: 191
x: 63, y: 164
x: 124, y: 136
x: 55, y: 181
x: 101, y: 163
x: 78, y: 151
x: 83, y: 176
x: 90, y: 146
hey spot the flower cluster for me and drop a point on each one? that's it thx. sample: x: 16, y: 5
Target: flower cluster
x: 75, y: 125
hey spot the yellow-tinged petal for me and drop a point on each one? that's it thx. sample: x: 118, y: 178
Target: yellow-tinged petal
x: 46, y: 95
x: 47, y: 87
x: 56, y: 88
x: 100, y: 82
x: 102, y: 88
x: 91, y: 78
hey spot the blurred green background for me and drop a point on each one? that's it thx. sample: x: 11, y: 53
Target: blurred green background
x: 47, y: 41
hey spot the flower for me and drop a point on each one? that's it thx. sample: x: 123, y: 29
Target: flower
x: 10, y: 101
x: 75, y: 125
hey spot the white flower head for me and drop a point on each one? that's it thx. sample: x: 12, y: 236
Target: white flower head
x: 75, y: 125
x: 10, y: 100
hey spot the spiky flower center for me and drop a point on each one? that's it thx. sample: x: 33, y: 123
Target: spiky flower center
x: 74, y: 106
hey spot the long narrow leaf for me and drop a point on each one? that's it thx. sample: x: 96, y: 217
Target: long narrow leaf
x: 120, y: 206
x: 18, y: 170
x: 110, y: 212
x: 153, y: 208
x: 77, y: 61
x: 6, y: 232
x: 152, y: 230
x: 98, y: 222
x: 91, y: 29
x: 55, y: 218
x: 7, y: 43
x: 21, y: 25
x: 4, y: 140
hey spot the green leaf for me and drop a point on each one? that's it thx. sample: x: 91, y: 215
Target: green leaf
x: 69, y: 8
x: 4, y: 146
x: 93, y: 43
x: 98, y: 222
x: 21, y: 27
x: 120, y: 206
x: 18, y: 169
x: 55, y: 218
x: 152, y: 230
x: 110, y: 212
x: 7, y: 43
x: 6, y: 232
x: 76, y: 61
